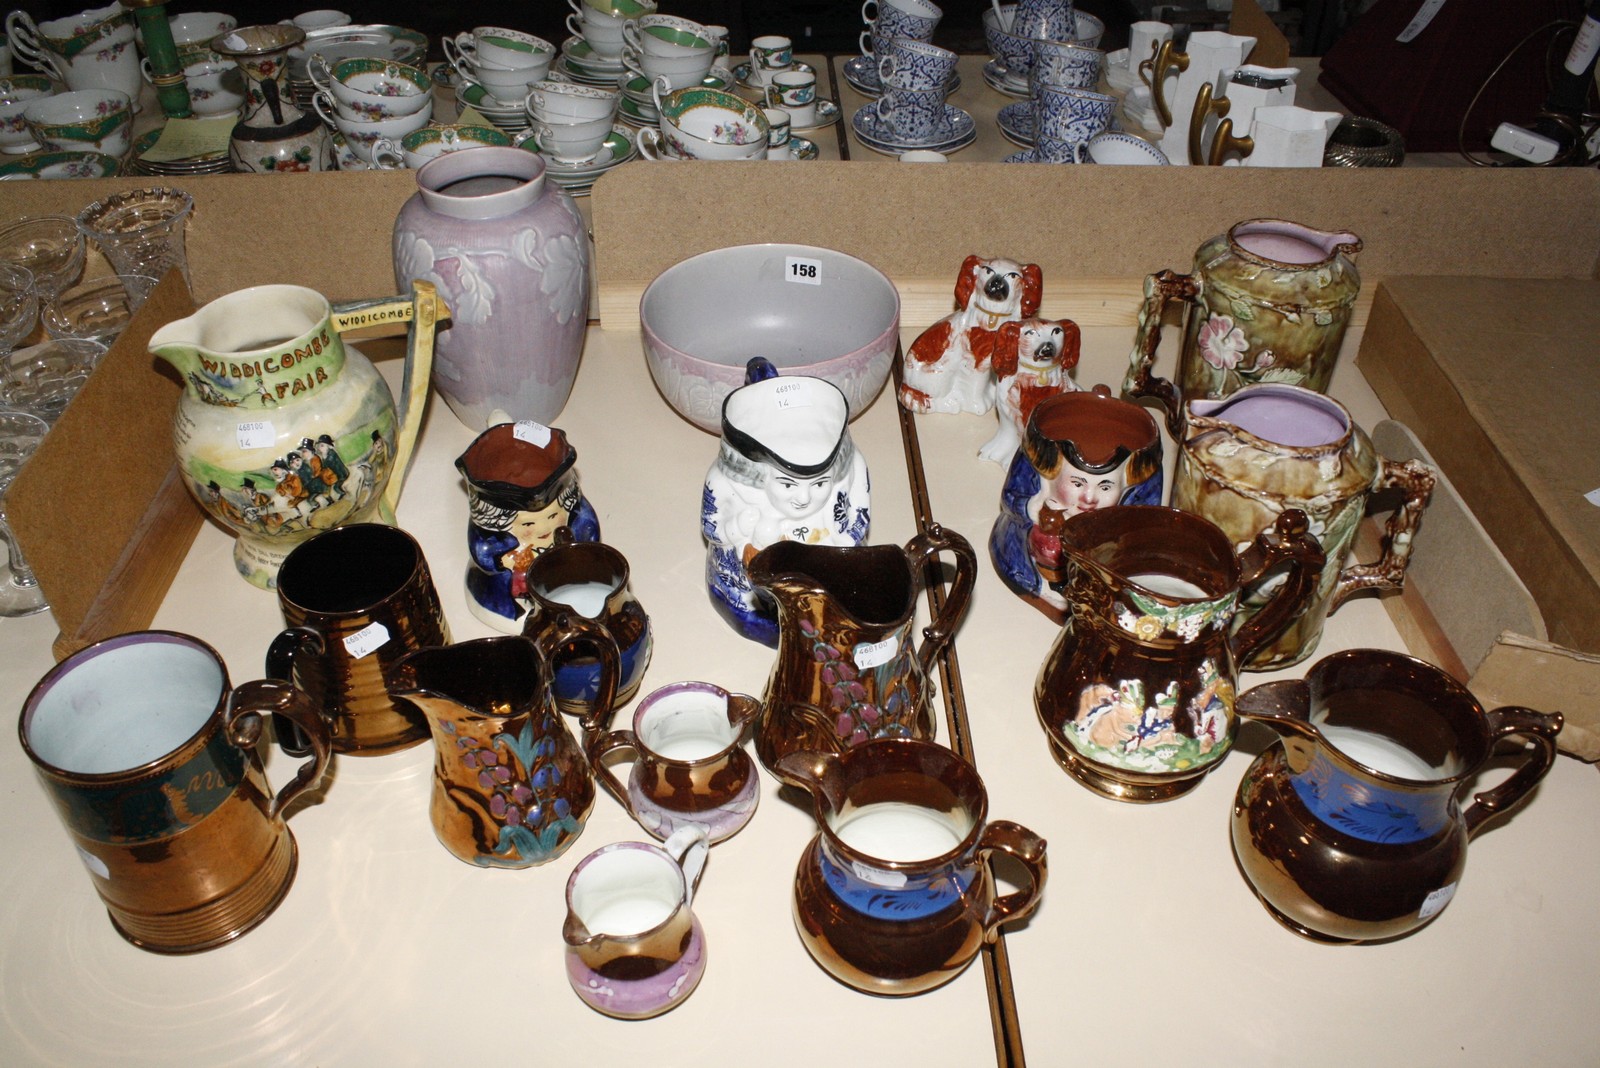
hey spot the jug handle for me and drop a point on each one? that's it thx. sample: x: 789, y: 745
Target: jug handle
x: 598, y: 747
x: 1160, y: 290
x: 919, y: 551
x: 281, y: 654
x: 1225, y: 142
x: 580, y: 630
x: 1027, y: 849
x: 422, y: 310
x: 243, y: 723
x: 688, y: 846
x: 1285, y: 542
x: 1541, y: 729
x: 1206, y: 104
x: 1416, y: 480
x: 1167, y: 58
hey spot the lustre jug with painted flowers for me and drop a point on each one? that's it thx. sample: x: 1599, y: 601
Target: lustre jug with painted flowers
x: 283, y: 429
x: 511, y: 788
x: 847, y: 670
x: 1268, y: 301
x: 1136, y: 695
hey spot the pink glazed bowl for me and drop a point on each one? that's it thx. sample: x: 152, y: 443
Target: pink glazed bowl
x: 810, y: 310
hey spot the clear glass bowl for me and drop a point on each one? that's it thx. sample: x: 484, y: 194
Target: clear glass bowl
x: 50, y: 246
x: 43, y: 379
x: 97, y: 309
x: 19, y: 305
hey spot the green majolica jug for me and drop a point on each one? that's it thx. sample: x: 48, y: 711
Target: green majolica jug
x: 283, y: 429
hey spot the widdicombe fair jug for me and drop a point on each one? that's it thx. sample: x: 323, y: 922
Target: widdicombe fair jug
x: 847, y: 670
x: 1349, y: 829
x: 1137, y: 694
x: 283, y: 430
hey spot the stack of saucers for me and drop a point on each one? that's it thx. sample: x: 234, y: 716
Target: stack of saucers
x: 636, y: 106
x: 578, y: 178
x: 336, y: 43
x: 580, y: 62
x: 209, y: 163
x: 511, y: 117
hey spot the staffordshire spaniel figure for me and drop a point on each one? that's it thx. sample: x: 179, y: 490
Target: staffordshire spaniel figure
x: 948, y: 368
x: 1031, y: 360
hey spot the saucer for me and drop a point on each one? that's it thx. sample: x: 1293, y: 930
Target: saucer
x: 1119, y: 75
x: 827, y: 115
x: 1016, y: 123
x: 862, y: 74
x: 580, y: 53
x: 996, y: 77
x: 344, y: 157
x: 637, y: 86
x: 960, y: 132
x: 637, y: 112
x: 742, y: 73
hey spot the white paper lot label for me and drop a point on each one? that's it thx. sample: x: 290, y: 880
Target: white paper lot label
x: 536, y: 434
x: 870, y: 655
x: 792, y: 394
x: 367, y: 640
x: 259, y: 434
x: 802, y: 270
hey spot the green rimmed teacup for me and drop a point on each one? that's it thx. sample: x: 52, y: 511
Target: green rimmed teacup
x: 430, y: 142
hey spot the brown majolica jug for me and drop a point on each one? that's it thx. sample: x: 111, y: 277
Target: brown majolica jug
x: 1348, y: 829
x: 511, y: 788
x: 894, y: 894
x: 1268, y: 301
x: 1267, y: 448
x: 1137, y: 693
x: 847, y: 670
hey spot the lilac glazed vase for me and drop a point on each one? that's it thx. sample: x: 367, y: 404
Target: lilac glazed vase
x: 510, y: 256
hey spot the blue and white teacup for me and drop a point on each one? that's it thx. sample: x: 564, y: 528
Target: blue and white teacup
x: 1052, y: 20
x: 1124, y: 149
x: 913, y: 116
x: 911, y: 64
x: 1073, y: 115
x: 915, y: 20
x: 1066, y: 65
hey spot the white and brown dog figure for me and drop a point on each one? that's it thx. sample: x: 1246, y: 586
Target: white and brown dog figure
x: 1031, y: 361
x: 947, y: 368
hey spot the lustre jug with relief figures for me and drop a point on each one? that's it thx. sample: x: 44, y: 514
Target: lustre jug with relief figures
x: 1268, y: 301
x: 1267, y: 448
x: 284, y: 430
x: 511, y: 787
x: 1137, y: 694
x: 847, y: 670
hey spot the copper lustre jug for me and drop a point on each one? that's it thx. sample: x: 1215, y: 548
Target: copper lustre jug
x: 847, y: 670
x: 1137, y: 693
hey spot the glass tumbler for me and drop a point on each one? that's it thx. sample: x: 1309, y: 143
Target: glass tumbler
x: 141, y: 232
x: 50, y: 246
x: 20, y: 434
x: 97, y: 309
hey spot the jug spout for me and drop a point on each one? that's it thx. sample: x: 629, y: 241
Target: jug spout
x: 1284, y: 706
x: 497, y: 676
x: 817, y: 773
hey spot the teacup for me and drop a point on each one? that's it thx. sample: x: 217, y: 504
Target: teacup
x: 616, y: 10
x: 16, y: 93
x: 562, y: 101
x: 1125, y: 149
x: 1073, y: 115
x: 912, y: 64
x: 494, y: 46
x: 913, y: 20
x: 366, y: 112
x: 670, y: 142
x: 795, y: 91
x: 602, y: 31
x: 362, y: 136
x: 84, y: 120
x: 320, y: 19
x: 768, y: 55
x: 419, y: 146
x: 216, y: 87
x: 192, y: 34
x: 508, y: 87
x: 667, y: 35
x: 679, y: 72
x: 374, y: 88
x: 91, y: 50
x: 719, y: 120
x: 1066, y: 65
x: 913, y: 114
x: 780, y: 127
x: 572, y: 142
x: 689, y: 768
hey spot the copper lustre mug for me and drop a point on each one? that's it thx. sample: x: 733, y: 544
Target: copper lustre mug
x: 150, y: 758
x: 356, y: 599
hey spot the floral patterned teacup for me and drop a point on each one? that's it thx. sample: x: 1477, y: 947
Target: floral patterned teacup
x: 703, y: 123
x: 420, y: 146
x: 85, y: 120
x: 16, y: 93
x: 372, y: 88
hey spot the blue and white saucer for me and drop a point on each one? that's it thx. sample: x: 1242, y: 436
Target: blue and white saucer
x: 996, y: 77
x: 957, y: 132
x: 861, y: 72
x: 1016, y: 123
